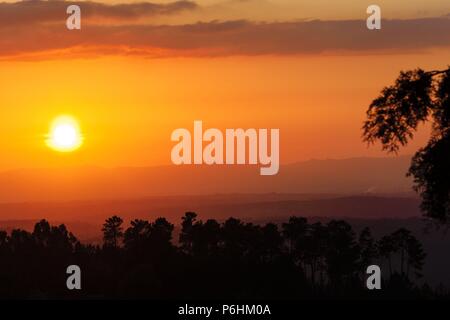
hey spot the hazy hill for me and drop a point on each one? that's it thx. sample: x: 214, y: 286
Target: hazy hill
x: 250, y: 207
x: 349, y: 176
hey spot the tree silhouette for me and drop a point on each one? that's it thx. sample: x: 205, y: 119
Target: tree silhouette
x: 136, y: 237
x: 208, y: 237
x: 416, y: 257
x: 411, y: 253
x: 270, y: 243
x: 295, y: 232
x: 112, y: 232
x: 22, y: 242
x: 3, y: 240
x: 409, y: 250
x: 232, y: 259
x: 234, y: 240
x: 392, y: 118
x: 56, y: 238
x: 368, y: 247
x: 41, y: 233
x: 160, y: 236
x: 401, y: 239
x: 386, y: 247
x: 316, y: 249
x: 187, y: 233
x: 342, y: 252
x: 431, y: 171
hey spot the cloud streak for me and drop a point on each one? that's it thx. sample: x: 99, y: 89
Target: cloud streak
x: 47, y: 36
x: 54, y: 11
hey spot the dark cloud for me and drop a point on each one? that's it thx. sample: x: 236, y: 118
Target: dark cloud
x: 39, y: 11
x: 223, y: 38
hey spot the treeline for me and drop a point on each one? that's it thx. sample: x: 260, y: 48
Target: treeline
x: 232, y: 259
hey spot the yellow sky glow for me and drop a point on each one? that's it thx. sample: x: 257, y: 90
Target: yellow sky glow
x: 128, y: 107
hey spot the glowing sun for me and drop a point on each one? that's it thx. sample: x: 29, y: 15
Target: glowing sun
x: 64, y: 135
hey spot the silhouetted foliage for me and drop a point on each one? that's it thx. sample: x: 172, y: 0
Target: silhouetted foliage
x: 418, y: 96
x: 231, y: 259
x: 431, y: 171
x: 403, y: 245
x: 368, y: 247
x: 112, y: 231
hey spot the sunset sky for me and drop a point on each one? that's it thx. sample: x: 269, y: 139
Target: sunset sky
x: 136, y: 72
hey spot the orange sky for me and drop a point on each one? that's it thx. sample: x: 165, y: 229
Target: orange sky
x: 128, y: 105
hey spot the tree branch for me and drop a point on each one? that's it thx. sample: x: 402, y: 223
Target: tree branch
x: 437, y: 72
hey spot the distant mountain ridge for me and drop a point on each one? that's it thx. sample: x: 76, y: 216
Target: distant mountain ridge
x: 347, y: 176
x: 250, y: 207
